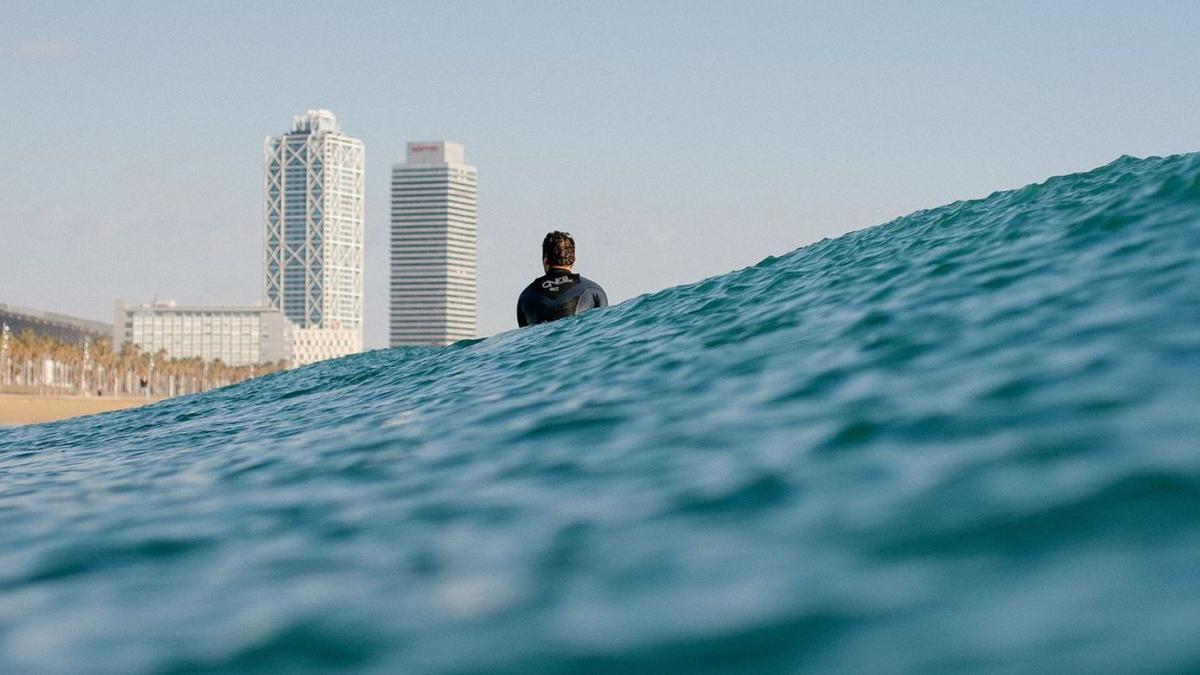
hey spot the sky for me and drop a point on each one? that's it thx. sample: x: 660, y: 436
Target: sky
x: 675, y: 140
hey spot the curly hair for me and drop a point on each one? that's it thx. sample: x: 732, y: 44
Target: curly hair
x: 558, y: 248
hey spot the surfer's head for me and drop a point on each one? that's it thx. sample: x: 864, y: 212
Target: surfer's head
x: 558, y: 250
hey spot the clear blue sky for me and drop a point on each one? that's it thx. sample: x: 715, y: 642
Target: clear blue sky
x: 675, y: 140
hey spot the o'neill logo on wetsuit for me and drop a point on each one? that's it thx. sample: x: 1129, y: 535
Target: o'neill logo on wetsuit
x: 553, y: 284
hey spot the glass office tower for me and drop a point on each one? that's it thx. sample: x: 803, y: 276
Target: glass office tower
x: 313, y: 235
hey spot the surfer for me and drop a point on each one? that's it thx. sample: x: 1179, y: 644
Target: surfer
x: 559, y: 292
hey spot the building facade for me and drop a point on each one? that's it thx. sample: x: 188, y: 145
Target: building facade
x: 433, y: 246
x: 313, y: 193
x: 239, y: 336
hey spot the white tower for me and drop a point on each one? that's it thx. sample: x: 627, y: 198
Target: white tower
x: 433, y: 246
x: 313, y: 235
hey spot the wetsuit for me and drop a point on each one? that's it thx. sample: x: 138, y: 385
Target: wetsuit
x: 557, y: 294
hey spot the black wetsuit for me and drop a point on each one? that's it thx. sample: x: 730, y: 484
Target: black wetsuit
x: 558, y: 294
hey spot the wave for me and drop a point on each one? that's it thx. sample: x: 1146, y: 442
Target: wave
x: 963, y: 439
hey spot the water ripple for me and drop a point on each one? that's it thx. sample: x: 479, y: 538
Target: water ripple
x: 961, y: 440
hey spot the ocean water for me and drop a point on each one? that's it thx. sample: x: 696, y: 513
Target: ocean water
x: 966, y: 439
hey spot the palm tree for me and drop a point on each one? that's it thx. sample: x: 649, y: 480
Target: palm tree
x: 105, y: 362
x: 128, y: 360
x: 29, y: 348
x: 96, y: 365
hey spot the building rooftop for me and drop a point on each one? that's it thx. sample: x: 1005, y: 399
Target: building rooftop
x: 55, y: 318
x: 319, y: 121
x: 172, y: 306
x: 435, y: 153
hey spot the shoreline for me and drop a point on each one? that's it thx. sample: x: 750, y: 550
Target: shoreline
x: 21, y: 409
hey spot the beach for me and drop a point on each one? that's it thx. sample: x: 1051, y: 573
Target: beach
x: 32, y: 409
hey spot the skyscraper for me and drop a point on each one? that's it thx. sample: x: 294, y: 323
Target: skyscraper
x: 433, y: 246
x: 313, y: 235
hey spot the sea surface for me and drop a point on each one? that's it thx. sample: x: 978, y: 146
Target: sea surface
x: 966, y: 439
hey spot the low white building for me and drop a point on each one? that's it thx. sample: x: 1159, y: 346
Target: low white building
x: 311, y: 345
x: 239, y: 336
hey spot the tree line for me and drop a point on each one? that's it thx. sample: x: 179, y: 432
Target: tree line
x: 39, y: 364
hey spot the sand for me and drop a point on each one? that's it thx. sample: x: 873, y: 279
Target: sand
x: 22, y: 409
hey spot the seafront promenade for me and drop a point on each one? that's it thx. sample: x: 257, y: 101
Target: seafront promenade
x: 33, y: 409
x: 43, y: 379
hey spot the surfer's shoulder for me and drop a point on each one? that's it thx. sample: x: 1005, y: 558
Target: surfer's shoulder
x: 587, y: 284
